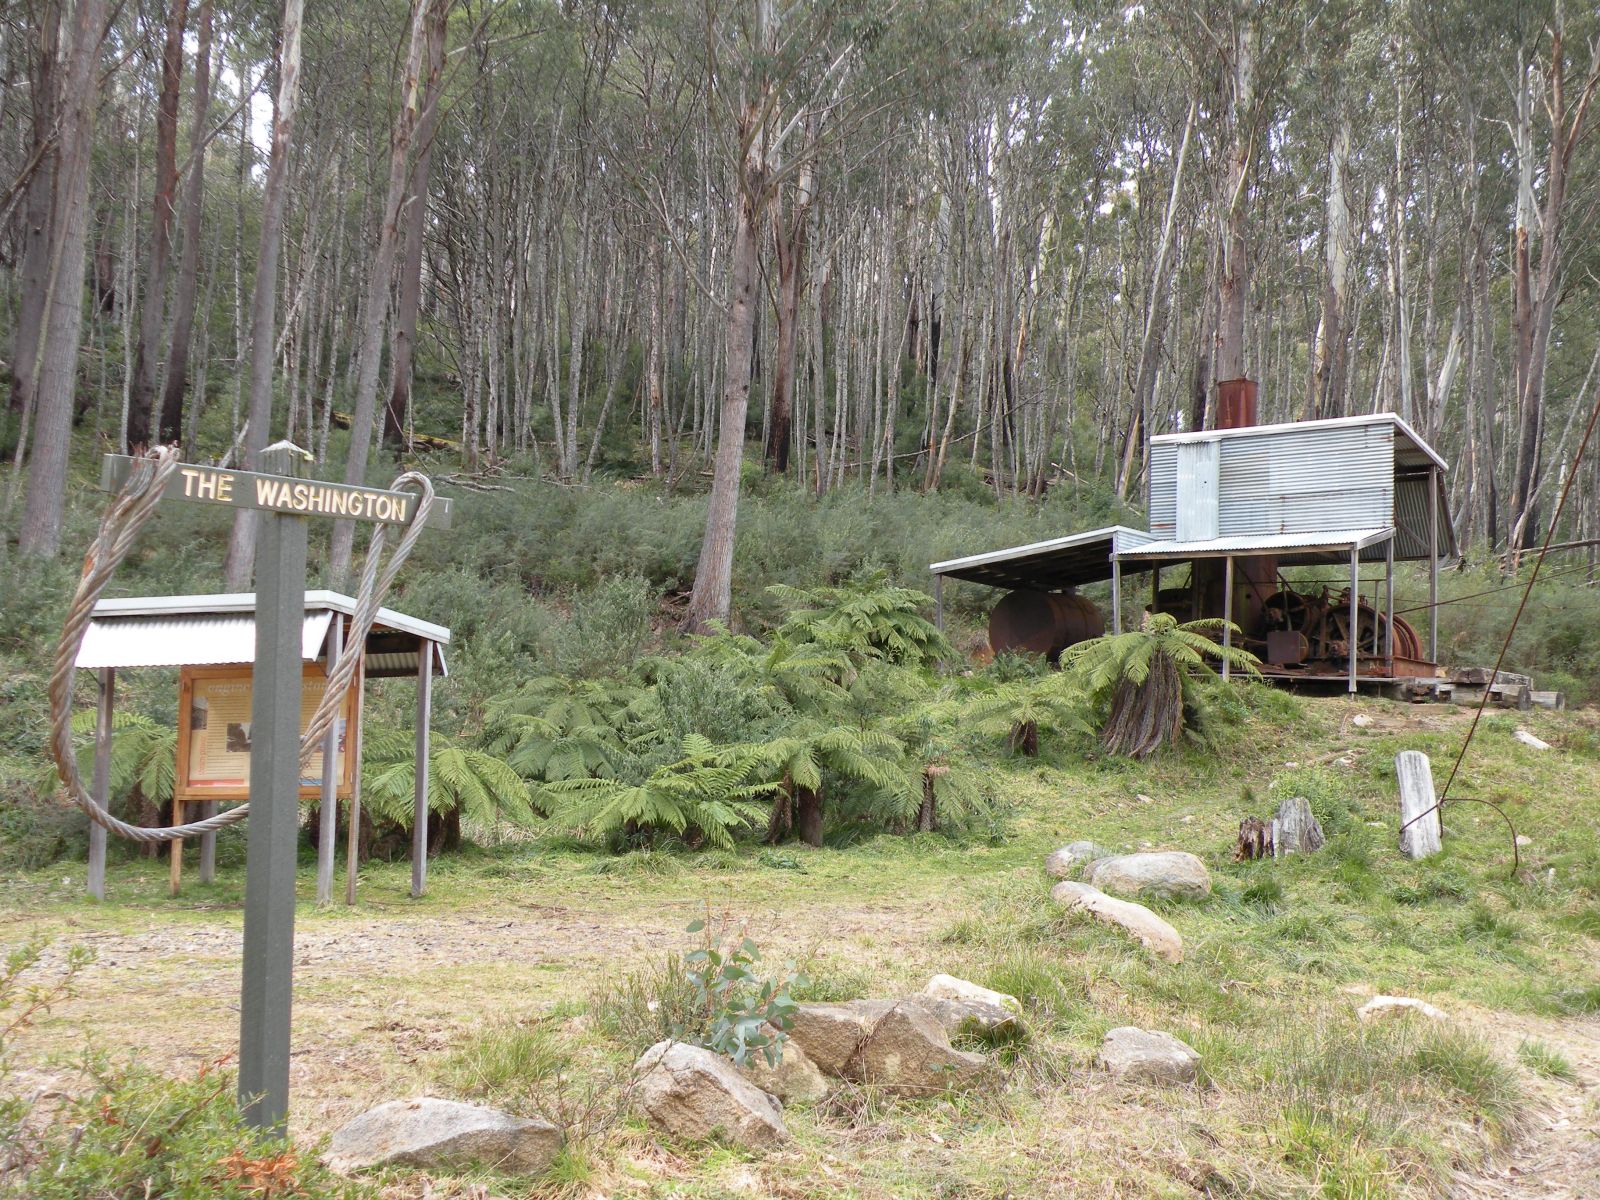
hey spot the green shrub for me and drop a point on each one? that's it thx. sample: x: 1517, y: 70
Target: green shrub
x: 739, y: 1012
x: 138, y: 1133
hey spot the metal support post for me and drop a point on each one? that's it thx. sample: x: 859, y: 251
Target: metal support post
x: 102, y: 780
x: 1155, y: 586
x: 328, y: 815
x: 1388, y: 602
x: 1116, y: 594
x: 1227, y: 611
x: 265, y: 999
x: 1355, y: 600
x: 208, y: 845
x: 419, y: 813
x: 1433, y: 564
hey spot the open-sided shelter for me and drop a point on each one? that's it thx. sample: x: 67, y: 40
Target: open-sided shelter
x: 212, y: 641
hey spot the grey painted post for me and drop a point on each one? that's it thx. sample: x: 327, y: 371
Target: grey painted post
x: 1433, y: 564
x: 265, y: 998
x: 419, y: 813
x: 938, y: 602
x: 208, y: 844
x: 1227, y: 609
x: 1355, y: 600
x: 328, y: 817
x: 1116, y: 594
x: 353, y: 746
x: 102, y: 780
x: 1155, y: 586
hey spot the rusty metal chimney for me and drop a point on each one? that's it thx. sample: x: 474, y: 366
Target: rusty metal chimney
x: 1255, y: 577
x: 1236, y: 403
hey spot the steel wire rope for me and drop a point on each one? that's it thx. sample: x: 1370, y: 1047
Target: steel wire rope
x: 127, y: 513
x: 1555, y: 518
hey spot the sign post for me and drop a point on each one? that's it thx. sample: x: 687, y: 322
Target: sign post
x: 284, y: 501
x: 270, y: 854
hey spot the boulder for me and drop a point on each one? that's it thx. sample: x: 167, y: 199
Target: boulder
x: 908, y: 1053
x: 1148, y: 1056
x: 964, y: 991
x: 431, y: 1133
x: 1066, y: 862
x: 831, y: 1034
x: 1385, y: 1008
x: 1158, y: 937
x: 1160, y: 872
x: 690, y: 1092
x: 793, y: 1079
x: 973, y: 1018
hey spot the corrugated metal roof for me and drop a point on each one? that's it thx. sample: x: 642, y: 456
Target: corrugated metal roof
x: 186, y: 641
x: 1048, y: 565
x: 1345, y: 540
x: 245, y: 602
x: 179, y: 631
x: 1410, y: 449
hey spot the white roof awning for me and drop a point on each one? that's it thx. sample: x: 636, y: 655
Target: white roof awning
x: 194, y: 631
x: 1289, y: 546
x: 1056, y: 563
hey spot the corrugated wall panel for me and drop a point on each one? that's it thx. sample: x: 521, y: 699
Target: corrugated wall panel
x: 1303, y: 481
x: 1163, y: 491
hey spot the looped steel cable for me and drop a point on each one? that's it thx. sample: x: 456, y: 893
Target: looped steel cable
x: 128, y: 512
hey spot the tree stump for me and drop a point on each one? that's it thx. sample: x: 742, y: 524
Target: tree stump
x: 1296, y: 830
x: 1420, y: 835
x: 1255, y: 840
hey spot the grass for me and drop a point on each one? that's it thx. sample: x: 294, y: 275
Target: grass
x: 534, y: 972
x: 1544, y: 1059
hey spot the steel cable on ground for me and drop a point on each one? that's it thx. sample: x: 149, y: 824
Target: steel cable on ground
x: 127, y: 513
x: 1566, y: 489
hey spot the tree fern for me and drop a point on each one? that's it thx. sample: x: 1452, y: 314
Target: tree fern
x: 1145, y: 678
x: 477, y: 786
x: 863, y: 619
x: 705, y: 794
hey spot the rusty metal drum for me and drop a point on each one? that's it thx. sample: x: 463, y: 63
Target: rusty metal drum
x: 1042, y: 622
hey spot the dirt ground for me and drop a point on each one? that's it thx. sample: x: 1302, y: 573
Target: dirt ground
x: 376, y: 999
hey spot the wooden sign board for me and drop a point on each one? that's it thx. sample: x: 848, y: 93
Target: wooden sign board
x: 274, y: 493
x: 214, y: 728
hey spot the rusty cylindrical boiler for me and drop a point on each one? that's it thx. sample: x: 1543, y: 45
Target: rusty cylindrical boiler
x: 1042, y: 623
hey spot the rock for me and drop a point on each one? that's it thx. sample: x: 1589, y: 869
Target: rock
x: 1143, y: 799
x: 1161, y: 872
x: 1148, y: 1056
x: 966, y: 1008
x: 831, y: 1034
x: 1530, y: 740
x: 1383, y: 1008
x: 972, y: 1018
x: 1158, y: 937
x: 1524, y: 840
x: 948, y: 987
x: 794, y: 1079
x: 908, y: 1053
x: 1065, y: 862
x: 691, y: 1092
x: 1361, y: 721
x: 431, y: 1133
